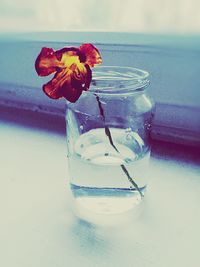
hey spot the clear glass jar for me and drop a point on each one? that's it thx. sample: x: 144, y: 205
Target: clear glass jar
x: 108, y: 141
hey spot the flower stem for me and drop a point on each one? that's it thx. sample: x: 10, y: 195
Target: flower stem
x: 108, y: 133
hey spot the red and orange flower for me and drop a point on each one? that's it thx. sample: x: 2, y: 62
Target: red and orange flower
x: 71, y: 66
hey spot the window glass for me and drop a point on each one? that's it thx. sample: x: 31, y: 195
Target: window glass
x: 167, y: 16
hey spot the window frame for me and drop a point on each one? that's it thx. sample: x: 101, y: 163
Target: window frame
x: 176, y: 119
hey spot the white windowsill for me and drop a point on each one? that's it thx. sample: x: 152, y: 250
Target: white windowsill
x: 38, y: 228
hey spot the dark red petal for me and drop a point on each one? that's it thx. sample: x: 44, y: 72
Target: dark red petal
x: 71, y: 93
x: 53, y: 87
x: 69, y: 84
x: 88, y: 78
x: 47, y: 62
x: 72, y: 51
x: 51, y: 92
x: 92, y: 54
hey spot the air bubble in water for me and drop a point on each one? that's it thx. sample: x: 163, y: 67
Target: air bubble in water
x: 128, y: 130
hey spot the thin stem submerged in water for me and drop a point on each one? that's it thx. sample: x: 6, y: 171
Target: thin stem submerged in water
x: 108, y: 133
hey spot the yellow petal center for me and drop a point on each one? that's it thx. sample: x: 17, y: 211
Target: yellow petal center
x: 72, y: 62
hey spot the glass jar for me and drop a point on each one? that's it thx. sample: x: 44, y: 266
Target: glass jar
x: 108, y: 141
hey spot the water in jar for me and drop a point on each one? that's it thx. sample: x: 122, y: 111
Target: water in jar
x: 98, y: 181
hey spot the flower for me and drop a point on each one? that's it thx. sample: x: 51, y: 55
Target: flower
x: 71, y: 66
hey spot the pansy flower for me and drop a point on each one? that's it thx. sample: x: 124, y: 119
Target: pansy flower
x: 71, y: 66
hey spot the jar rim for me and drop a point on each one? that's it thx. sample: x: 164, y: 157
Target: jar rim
x: 118, y: 80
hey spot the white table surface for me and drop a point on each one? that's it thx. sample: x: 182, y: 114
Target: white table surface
x: 38, y: 228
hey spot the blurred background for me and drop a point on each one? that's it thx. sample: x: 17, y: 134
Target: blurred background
x: 154, y: 16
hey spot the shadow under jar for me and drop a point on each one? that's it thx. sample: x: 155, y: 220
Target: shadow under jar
x: 108, y: 133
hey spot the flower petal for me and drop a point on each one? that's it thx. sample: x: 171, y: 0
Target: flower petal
x: 91, y: 53
x: 69, y: 83
x: 47, y: 62
x: 71, y: 66
x: 71, y: 51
